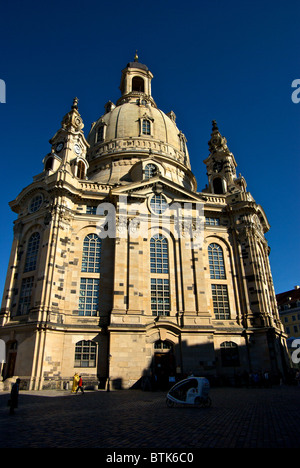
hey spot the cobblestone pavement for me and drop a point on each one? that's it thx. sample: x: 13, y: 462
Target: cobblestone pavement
x: 238, y: 418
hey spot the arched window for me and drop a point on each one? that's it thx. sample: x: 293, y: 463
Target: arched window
x: 85, y: 354
x: 146, y: 127
x: 150, y: 171
x: 216, y: 262
x: 138, y: 84
x: 218, y: 186
x: 49, y: 164
x: 32, y: 252
x: 159, y: 262
x: 91, y: 255
x: 80, y: 170
x: 229, y: 354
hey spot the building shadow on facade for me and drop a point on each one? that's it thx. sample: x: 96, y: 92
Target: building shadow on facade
x: 230, y: 365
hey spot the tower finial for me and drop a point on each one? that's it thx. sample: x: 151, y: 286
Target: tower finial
x: 75, y: 103
x: 214, y: 126
x: 136, y: 57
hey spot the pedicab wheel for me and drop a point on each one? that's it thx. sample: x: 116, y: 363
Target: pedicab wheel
x: 199, y: 402
x: 170, y: 403
x: 203, y: 402
x: 208, y: 402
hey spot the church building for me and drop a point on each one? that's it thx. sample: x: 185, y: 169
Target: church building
x: 122, y: 270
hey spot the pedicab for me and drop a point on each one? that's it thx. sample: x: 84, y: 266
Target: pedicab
x: 191, y: 391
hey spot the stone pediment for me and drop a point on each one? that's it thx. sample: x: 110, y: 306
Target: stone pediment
x: 158, y: 184
x: 21, y: 201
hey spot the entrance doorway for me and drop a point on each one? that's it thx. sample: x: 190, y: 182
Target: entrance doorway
x: 164, y: 364
x: 9, y: 367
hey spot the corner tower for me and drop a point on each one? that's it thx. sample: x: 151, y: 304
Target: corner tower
x: 221, y: 166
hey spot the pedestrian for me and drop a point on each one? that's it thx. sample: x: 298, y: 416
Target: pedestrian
x: 14, y: 397
x: 80, y: 385
x: 75, y: 382
x: 266, y: 379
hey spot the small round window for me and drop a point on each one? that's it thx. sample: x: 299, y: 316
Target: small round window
x: 35, y: 203
x: 158, y: 204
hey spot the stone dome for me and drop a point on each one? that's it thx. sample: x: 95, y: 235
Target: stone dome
x: 135, y: 130
x: 124, y: 122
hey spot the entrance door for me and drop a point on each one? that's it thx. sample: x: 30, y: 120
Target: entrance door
x: 164, y: 365
x: 9, y: 368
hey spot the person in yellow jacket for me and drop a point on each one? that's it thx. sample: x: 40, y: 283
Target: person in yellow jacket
x: 75, y: 382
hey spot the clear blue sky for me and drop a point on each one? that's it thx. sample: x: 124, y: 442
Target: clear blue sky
x: 232, y: 61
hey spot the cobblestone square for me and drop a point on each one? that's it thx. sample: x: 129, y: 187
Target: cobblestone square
x: 238, y: 418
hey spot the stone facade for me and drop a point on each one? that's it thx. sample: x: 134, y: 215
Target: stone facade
x: 121, y: 269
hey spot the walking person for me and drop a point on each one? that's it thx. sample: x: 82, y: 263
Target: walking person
x: 80, y: 385
x: 75, y: 382
x: 266, y: 379
x: 14, y: 396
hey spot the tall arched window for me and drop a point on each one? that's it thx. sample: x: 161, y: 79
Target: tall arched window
x: 219, y: 291
x: 89, y: 286
x: 91, y: 254
x: 262, y: 268
x: 216, y: 262
x: 32, y: 252
x: 159, y: 268
x: 159, y: 262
